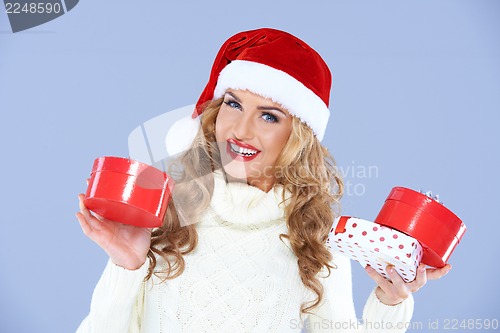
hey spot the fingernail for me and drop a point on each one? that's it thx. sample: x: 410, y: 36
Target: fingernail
x: 421, y: 268
x: 390, y: 269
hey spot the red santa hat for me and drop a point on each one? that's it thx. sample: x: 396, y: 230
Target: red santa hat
x: 276, y: 65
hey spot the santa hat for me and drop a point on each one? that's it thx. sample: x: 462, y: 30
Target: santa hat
x: 276, y: 65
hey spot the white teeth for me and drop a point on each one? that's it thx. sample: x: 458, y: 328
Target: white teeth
x: 241, y: 150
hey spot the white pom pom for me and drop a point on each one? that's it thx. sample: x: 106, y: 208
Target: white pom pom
x: 181, y: 135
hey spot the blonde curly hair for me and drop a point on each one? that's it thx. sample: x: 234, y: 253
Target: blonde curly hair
x: 304, y: 167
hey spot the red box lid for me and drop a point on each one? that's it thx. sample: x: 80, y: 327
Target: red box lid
x: 437, y: 228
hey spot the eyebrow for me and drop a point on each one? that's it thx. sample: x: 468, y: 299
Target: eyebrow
x: 264, y: 108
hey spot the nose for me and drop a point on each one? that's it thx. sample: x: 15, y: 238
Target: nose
x: 243, y: 128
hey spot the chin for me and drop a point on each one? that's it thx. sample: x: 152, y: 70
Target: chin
x: 236, y: 170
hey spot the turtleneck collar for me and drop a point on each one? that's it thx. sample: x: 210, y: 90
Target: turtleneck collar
x: 240, y: 203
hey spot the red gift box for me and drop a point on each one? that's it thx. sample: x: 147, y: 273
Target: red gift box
x: 436, y: 228
x: 128, y: 191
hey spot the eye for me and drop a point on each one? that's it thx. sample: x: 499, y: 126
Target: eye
x: 269, y: 117
x: 233, y: 104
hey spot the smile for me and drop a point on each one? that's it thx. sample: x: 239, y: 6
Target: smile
x: 241, y: 151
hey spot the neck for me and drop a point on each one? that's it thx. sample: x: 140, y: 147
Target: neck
x: 264, y: 185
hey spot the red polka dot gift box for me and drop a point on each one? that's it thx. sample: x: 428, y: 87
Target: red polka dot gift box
x: 411, y: 227
x: 128, y: 191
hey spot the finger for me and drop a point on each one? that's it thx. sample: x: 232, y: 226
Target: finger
x: 101, y: 218
x: 83, y: 209
x: 437, y: 273
x: 92, y: 221
x: 397, y: 280
x: 420, y: 279
x: 379, y: 279
x: 87, y: 230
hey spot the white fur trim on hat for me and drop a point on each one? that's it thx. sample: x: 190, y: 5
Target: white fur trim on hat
x: 279, y: 86
x: 182, y: 133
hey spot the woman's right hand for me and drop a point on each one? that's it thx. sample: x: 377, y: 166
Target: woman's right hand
x: 126, y: 245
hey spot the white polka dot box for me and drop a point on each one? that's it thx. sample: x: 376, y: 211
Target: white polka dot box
x: 370, y: 243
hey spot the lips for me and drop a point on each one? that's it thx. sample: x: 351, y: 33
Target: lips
x: 241, y: 151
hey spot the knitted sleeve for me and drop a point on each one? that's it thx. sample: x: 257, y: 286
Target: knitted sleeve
x: 337, y: 313
x: 117, y: 301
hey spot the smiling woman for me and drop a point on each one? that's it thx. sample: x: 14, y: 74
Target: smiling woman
x: 243, y: 247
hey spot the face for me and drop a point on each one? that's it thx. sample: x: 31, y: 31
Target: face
x: 251, y: 132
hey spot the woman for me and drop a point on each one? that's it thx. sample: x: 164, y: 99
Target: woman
x: 242, y: 248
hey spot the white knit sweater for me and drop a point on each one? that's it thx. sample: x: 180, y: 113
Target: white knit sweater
x: 240, y: 278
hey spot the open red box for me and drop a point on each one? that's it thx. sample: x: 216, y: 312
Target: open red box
x: 128, y: 191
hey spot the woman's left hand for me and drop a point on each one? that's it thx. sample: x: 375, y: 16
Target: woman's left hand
x: 397, y: 290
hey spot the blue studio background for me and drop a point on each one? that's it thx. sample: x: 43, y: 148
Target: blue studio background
x: 415, y: 102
